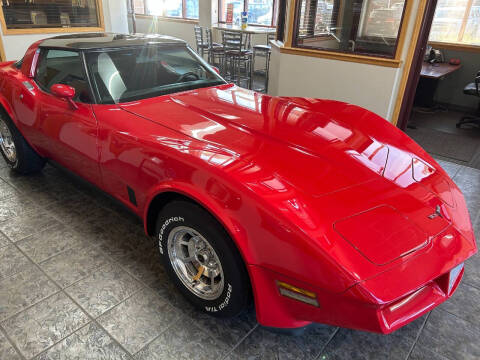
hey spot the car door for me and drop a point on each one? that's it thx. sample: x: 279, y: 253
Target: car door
x: 66, y: 133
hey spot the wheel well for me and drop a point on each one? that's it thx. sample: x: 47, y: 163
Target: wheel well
x: 4, y: 111
x: 157, y: 205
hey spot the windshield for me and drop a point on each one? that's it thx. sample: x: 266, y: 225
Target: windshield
x: 136, y: 73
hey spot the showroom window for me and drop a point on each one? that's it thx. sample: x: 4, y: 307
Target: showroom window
x: 457, y: 22
x: 364, y: 27
x: 36, y: 16
x: 181, y: 9
x: 260, y: 12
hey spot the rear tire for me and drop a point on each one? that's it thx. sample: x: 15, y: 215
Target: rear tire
x: 215, y: 279
x: 17, y: 153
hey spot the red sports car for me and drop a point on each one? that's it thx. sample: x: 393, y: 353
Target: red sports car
x: 319, y: 211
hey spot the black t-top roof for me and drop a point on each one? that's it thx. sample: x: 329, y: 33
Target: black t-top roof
x: 92, y: 41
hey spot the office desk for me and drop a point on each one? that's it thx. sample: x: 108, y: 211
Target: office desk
x: 429, y: 78
x: 437, y: 71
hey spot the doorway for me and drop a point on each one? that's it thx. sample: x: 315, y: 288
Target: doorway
x: 434, y: 100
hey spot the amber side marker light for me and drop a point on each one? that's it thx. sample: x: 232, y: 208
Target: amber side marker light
x: 298, y: 294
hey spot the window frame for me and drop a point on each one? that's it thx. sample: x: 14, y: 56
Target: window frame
x: 42, y: 51
x: 99, y: 28
x: 273, y: 23
x: 182, y: 18
x: 458, y: 44
x: 296, y: 29
x: 395, y: 62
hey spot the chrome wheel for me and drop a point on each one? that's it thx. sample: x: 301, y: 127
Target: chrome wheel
x: 195, y: 262
x: 6, y: 142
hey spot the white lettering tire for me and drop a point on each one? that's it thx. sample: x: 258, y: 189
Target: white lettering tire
x: 202, y: 260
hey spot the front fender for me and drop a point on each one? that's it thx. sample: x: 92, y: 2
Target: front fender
x: 215, y: 207
x: 8, y: 109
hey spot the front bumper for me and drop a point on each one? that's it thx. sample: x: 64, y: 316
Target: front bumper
x: 346, y: 309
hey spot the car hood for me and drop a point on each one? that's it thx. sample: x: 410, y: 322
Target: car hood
x: 303, y: 144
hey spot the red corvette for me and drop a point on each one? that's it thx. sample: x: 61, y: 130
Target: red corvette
x: 318, y: 210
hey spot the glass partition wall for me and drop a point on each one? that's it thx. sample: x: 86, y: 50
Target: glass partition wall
x: 21, y: 14
x: 364, y: 27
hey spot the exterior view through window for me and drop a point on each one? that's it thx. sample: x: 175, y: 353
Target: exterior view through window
x: 370, y: 27
x: 260, y: 12
x: 21, y: 14
x: 187, y: 9
x: 136, y: 73
x: 457, y: 21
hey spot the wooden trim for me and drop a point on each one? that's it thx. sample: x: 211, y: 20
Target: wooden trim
x: 291, y: 6
x: 394, y: 63
x: 167, y: 18
x: 330, y: 54
x: 3, y: 56
x: 466, y: 15
x: 100, y: 28
x: 403, y: 29
x: 52, y: 30
x: 408, y: 61
x: 100, y: 15
x: 455, y: 46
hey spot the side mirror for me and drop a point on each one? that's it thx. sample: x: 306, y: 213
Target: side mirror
x: 217, y: 70
x: 65, y: 92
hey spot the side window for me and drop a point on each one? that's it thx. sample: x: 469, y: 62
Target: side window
x: 62, y: 67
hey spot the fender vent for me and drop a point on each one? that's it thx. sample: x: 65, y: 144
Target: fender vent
x: 131, y: 196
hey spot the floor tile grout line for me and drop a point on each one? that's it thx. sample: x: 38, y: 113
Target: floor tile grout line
x: 78, y: 305
x: 117, y: 304
x: 113, y: 339
x: 476, y: 332
x: 59, y: 341
x: 31, y: 305
x: 418, y: 336
x: 466, y: 282
x: 457, y: 172
x: 230, y: 352
x: 330, y: 339
x: 23, y: 238
x: 84, y: 247
x: 160, y: 334
x: 12, y: 343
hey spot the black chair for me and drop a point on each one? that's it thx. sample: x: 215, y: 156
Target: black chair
x: 201, y: 45
x: 237, y: 61
x: 263, y: 51
x: 472, y: 89
x: 216, y: 52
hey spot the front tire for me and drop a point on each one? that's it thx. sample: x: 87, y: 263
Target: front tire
x: 17, y: 153
x: 202, y: 260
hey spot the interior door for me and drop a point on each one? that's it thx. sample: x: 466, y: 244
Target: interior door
x: 67, y: 134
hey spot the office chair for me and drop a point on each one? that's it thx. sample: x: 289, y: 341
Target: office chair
x: 472, y: 89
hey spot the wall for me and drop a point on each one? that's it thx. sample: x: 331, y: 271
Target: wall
x: 180, y: 29
x: 450, y: 89
x: 373, y: 87
x: 366, y: 85
x: 16, y: 45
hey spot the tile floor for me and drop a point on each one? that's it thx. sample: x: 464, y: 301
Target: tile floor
x: 71, y: 289
x: 437, y: 133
